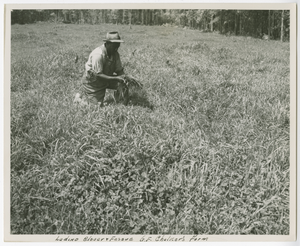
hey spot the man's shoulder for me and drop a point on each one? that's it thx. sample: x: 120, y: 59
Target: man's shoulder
x: 99, y: 51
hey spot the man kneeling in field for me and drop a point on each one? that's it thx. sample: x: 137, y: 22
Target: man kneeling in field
x: 104, y: 70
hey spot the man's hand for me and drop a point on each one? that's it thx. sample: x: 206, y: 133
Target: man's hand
x: 121, y: 78
x: 131, y: 81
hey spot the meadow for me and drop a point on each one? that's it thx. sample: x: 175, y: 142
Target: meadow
x: 203, y: 148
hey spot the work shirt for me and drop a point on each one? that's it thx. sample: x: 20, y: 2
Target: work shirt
x: 100, y: 63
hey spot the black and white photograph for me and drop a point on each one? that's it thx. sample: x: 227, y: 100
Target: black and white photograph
x: 151, y: 124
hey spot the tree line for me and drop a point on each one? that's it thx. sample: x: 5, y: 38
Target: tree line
x: 268, y: 24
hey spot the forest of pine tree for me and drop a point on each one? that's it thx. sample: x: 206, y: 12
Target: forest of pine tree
x: 270, y: 24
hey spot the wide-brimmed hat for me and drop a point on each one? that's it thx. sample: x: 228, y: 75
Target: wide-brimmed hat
x: 113, y: 37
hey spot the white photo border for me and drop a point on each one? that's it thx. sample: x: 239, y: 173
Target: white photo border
x: 293, y: 110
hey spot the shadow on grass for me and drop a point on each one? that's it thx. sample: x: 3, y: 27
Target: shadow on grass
x: 136, y: 98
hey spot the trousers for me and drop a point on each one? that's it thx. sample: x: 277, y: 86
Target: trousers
x: 93, y: 89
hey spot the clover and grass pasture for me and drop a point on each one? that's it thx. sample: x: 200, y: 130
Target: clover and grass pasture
x: 203, y: 148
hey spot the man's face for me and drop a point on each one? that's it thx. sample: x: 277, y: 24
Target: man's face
x: 112, y: 47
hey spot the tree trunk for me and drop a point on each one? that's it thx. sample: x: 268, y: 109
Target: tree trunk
x: 212, y: 23
x: 273, y: 23
x: 149, y: 17
x: 93, y: 17
x: 220, y: 22
x: 139, y: 16
x: 123, y: 17
x: 269, y: 24
x: 56, y: 16
x: 161, y: 17
x: 130, y: 14
x: 103, y: 16
x: 142, y: 16
x: 235, y: 22
x: 255, y: 18
x: 241, y: 16
x: 282, y: 30
x: 153, y: 18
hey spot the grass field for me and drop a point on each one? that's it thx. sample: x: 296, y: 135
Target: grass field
x: 202, y: 149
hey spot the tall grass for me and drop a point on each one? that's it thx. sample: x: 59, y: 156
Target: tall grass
x: 202, y: 149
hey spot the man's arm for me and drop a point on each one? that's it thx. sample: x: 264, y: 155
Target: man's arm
x: 108, y: 78
x: 97, y: 67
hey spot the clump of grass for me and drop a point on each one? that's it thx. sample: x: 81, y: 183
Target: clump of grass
x: 203, y: 148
